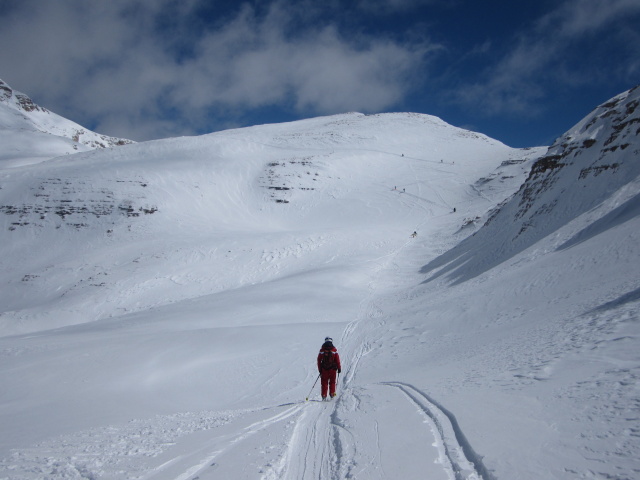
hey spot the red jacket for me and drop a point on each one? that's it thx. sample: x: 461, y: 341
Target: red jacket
x: 336, y: 357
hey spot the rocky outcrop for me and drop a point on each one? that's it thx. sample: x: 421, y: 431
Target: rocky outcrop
x: 581, y: 170
x: 42, y: 120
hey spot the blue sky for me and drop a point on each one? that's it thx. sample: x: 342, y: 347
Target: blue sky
x: 521, y: 72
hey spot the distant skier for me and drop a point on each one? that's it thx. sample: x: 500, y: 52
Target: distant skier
x: 414, y: 234
x: 328, y: 366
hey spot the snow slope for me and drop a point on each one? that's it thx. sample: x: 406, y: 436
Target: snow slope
x: 163, y: 304
x: 30, y: 133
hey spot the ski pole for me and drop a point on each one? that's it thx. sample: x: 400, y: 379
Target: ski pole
x: 314, y: 385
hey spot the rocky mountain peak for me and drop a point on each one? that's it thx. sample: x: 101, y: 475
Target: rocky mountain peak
x: 20, y: 100
x: 583, y: 169
x: 606, y: 140
x: 24, y: 124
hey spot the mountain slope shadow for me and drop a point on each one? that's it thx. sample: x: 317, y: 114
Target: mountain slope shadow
x: 629, y: 297
x: 625, y: 212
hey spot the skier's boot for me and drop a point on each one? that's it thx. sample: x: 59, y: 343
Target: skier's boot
x: 324, y: 399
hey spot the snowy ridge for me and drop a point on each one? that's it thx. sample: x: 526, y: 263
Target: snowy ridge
x: 31, y: 134
x: 582, y: 169
x: 163, y: 304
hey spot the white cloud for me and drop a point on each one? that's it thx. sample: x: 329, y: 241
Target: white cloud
x: 557, y: 51
x: 137, y: 67
x: 334, y: 77
x: 579, y: 17
x: 386, y: 6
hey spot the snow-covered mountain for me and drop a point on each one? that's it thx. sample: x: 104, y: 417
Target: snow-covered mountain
x: 30, y: 133
x: 163, y: 304
x: 594, y: 161
x: 251, y: 181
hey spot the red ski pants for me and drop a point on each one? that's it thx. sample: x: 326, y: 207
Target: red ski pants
x: 328, y: 379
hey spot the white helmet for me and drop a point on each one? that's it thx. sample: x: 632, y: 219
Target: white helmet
x: 328, y: 339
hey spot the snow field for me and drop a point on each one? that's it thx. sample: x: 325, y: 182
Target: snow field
x: 187, y: 338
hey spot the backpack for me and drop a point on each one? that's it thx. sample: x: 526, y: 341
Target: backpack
x: 328, y: 360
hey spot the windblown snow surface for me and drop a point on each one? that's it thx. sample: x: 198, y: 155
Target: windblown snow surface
x: 163, y: 304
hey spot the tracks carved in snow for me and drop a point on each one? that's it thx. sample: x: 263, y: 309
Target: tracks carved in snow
x: 465, y: 463
x: 319, y: 447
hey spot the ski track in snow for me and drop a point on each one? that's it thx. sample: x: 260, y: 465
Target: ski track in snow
x: 316, y: 443
x: 178, y: 447
x: 245, y: 434
x: 314, y: 449
x: 466, y: 464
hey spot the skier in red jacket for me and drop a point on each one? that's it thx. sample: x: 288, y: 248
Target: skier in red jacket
x: 328, y: 366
